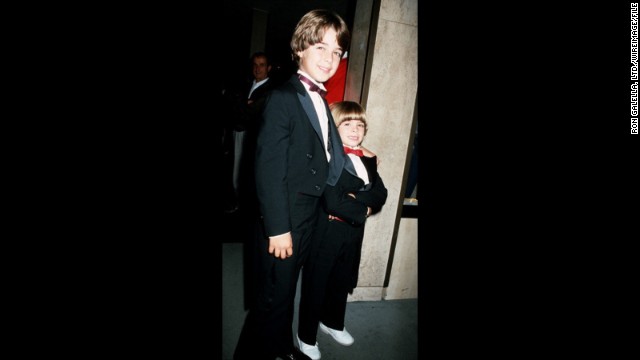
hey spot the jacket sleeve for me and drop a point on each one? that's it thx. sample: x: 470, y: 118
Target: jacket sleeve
x: 336, y: 202
x: 374, y: 197
x: 271, y: 170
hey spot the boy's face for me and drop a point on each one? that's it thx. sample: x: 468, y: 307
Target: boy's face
x: 351, y: 132
x: 321, y: 60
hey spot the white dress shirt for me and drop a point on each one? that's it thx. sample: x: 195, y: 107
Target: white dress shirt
x: 360, y: 169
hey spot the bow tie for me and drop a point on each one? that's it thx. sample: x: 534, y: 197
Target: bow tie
x: 348, y: 150
x: 312, y: 86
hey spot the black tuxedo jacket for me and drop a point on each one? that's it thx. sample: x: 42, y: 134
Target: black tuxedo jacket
x: 343, y: 239
x: 354, y: 211
x: 248, y: 111
x: 290, y: 158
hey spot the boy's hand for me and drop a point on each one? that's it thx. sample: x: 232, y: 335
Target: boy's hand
x: 281, y: 246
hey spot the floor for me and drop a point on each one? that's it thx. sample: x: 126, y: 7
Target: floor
x: 382, y: 329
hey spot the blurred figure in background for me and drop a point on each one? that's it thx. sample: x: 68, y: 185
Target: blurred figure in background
x: 247, y: 109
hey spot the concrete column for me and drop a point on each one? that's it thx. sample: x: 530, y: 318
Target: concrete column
x: 389, y: 97
x: 403, y: 278
x: 358, y: 50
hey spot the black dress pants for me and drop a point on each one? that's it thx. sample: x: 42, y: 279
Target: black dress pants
x: 267, y: 331
x: 327, y: 278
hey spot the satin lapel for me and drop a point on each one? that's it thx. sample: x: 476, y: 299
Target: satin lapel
x: 308, y: 107
x: 371, y: 167
x: 338, y: 157
x: 348, y: 165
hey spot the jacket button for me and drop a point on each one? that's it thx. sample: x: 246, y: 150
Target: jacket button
x: 309, y: 156
x: 317, y: 187
x: 313, y: 171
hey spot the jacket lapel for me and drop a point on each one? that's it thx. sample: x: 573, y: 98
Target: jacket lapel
x: 337, y: 162
x: 307, y: 105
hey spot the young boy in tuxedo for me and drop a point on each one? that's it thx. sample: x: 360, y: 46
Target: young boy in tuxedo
x: 331, y: 272
x: 298, y: 153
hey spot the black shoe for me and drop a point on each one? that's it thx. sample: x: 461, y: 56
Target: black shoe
x: 294, y: 355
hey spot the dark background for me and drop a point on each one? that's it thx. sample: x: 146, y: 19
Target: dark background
x: 529, y: 200
x: 282, y: 19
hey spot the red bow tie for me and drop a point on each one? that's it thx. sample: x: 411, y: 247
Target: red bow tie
x: 348, y: 150
x: 312, y: 85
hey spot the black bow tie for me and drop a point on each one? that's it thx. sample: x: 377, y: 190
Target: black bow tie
x: 312, y: 85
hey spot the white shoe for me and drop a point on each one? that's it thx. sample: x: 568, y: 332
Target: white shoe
x: 342, y: 337
x: 311, y: 351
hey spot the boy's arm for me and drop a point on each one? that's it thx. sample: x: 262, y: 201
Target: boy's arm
x: 338, y: 203
x: 374, y: 197
x: 271, y: 165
